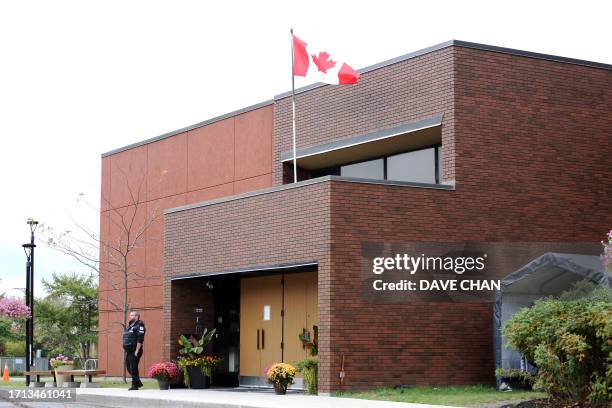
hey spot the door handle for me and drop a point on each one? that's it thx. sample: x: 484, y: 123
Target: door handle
x: 262, y: 339
x: 257, y: 339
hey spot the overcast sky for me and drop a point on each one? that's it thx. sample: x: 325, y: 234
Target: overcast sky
x: 80, y: 78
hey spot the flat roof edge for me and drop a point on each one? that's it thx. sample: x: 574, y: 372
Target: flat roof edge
x: 530, y: 54
x: 459, y: 43
x: 317, y: 180
x: 247, y: 194
x: 190, y: 127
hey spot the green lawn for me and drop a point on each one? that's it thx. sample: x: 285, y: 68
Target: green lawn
x: 148, y: 383
x: 459, y: 396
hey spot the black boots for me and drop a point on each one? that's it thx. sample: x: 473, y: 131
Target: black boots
x: 135, y: 387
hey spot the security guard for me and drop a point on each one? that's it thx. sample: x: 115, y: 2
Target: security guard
x: 133, y: 337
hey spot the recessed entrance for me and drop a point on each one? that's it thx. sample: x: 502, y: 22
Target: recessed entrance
x: 274, y: 311
x: 259, y: 317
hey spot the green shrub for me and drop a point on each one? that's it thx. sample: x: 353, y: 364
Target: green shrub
x: 14, y: 348
x: 310, y: 372
x: 587, y: 290
x: 570, y: 341
x: 514, y: 374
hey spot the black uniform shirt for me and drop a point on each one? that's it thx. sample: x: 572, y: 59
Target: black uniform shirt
x: 133, y: 334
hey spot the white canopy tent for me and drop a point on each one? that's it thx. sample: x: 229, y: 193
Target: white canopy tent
x: 547, y: 275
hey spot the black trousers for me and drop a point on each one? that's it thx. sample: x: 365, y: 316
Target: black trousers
x: 131, y: 363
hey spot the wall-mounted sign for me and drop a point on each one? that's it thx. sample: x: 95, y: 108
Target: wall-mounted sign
x: 266, y: 312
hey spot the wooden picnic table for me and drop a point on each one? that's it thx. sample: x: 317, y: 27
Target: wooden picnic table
x: 39, y: 373
x: 87, y: 373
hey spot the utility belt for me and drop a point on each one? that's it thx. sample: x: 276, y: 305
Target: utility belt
x: 129, y: 347
x: 133, y: 349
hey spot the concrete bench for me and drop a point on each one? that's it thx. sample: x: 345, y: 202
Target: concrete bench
x: 84, y: 373
x: 38, y: 374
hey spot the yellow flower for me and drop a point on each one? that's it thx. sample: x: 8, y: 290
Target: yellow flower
x: 281, y: 373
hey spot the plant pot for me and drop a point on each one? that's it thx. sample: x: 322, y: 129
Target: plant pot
x: 164, y: 383
x: 280, y: 389
x: 516, y: 383
x: 62, y: 378
x: 197, y: 379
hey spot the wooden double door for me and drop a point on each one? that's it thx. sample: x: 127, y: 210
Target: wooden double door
x: 274, y: 311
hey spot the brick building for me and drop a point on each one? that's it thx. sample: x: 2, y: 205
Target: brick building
x: 457, y: 142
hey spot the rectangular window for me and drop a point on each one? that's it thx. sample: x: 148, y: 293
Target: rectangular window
x: 439, y: 163
x: 417, y: 166
x: 372, y: 169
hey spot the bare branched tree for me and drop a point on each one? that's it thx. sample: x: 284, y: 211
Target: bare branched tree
x: 110, y: 256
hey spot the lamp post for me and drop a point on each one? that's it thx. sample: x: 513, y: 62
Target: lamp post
x: 29, y: 251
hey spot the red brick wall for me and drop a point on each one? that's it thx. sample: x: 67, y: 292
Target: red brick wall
x: 230, y: 156
x: 532, y: 145
x: 387, y: 344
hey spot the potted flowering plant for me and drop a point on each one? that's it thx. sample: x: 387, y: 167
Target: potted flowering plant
x: 281, y: 376
x: 60, y: 364
x: 164, y: 372
x: 208, y: 363
x: 197, y: 366
x: 198, y: 371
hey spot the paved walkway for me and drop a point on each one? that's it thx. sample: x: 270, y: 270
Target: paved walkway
x: 182, y: 398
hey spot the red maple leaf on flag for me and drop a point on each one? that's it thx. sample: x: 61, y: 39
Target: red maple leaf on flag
x: 323, y: 62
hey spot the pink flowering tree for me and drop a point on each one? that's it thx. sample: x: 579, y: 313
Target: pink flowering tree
x: 13, y: 308
x: 13, y: 313
x: 606, y: 257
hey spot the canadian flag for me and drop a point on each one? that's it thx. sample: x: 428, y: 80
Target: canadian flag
x: 319, y: 64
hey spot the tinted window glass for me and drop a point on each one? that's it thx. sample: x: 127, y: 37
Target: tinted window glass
x: 373, y: 169
x: 418, y: 166
x: 439, y: 150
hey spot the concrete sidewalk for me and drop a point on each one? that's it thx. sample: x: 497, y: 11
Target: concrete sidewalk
x: 183, y: 398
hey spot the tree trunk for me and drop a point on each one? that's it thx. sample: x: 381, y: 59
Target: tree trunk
x: 125, y: 311
x: 124, y: 327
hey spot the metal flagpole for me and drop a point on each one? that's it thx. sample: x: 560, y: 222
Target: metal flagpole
x: 295, y: 179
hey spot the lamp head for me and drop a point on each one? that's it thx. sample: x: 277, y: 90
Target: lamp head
x: 33, y: 224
